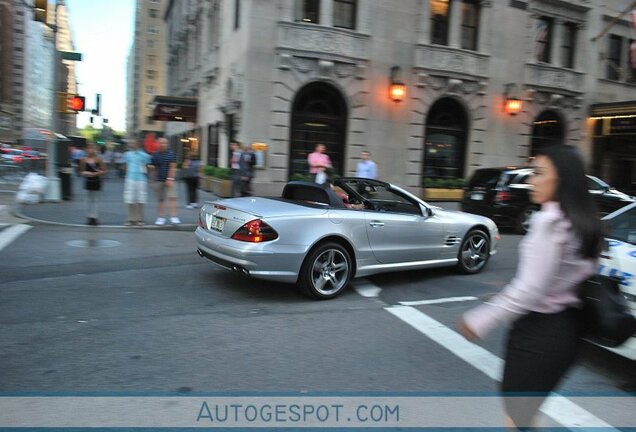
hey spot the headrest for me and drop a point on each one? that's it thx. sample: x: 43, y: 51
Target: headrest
x: 312, y: 192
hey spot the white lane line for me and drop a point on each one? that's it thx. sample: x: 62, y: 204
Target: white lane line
x: 437, y: 301
x: 10, y: 234
x: 366, y: 288
x: 559, y: 408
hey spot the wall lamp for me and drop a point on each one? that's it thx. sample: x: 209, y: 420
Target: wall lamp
x: 512, y: 104
x: 397, y: 89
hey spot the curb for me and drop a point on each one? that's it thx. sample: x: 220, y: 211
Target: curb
x: 181, y: 227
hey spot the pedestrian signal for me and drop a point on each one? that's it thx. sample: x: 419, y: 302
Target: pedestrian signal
x: 39, y: 8
x: 75, y: 103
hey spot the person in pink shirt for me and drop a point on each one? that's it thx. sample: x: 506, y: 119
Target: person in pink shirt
x: 541, y: 303
x: 319, y: 161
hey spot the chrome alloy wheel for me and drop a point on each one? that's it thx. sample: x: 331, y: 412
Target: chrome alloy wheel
x: 330, y: 272
x: 475, y: 251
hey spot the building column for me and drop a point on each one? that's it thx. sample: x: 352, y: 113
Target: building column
x: 286, y: 9
x: 455, y: 24
x: 557, y: 41
x: 326, y: 13
x: 425, y: 22
x: 483, y: 30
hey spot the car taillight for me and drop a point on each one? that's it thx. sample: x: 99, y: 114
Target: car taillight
x: 503, y: 196
x: 201, y: 223
x: 255, y: 231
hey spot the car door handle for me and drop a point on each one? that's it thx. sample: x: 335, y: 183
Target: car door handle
x: 376, y: 224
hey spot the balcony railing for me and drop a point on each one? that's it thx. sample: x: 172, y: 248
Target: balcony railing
x: 447, y: 60
x: 319, y: 41
x: 548, y: 76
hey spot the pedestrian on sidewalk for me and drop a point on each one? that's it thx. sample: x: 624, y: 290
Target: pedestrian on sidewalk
x: 190, y: 176
x: 92, y: 168
x: 559, y: 252
x: 235, y: 167
x: 366, y: 168
x: 136, y: 183
x: 319, y: 162
x: 246, y: 168
x: 164, y: 163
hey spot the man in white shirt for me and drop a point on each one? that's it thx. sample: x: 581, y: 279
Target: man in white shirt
x: 366, y: 167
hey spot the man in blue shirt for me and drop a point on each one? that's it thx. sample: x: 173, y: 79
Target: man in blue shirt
x: 136, y: 183
x: 165, y: 164
x: 366, y: 167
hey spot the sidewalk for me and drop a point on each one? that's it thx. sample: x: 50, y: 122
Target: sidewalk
x: 113, y: 212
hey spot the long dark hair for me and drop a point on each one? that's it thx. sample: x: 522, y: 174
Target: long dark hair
x: 574, y: 198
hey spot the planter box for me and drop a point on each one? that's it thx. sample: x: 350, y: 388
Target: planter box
x: 220, y: 187
x: 435, y: 194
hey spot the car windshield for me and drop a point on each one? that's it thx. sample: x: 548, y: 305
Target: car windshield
x: 623, y: 226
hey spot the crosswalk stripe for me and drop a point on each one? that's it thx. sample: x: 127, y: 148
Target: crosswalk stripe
x: 559, y: 408
x: 8, y: 235
x: 437, y: 301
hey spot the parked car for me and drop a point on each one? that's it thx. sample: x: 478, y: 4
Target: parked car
x: 11, y: 155
x: 320, y: 237
x: 619, y: 260
x: 502, y: 195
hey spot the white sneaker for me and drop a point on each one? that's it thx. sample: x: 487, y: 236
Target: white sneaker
x: 160, y: 221
x: 194, y: 205
x: 175, y: 220
x: 190, y: 206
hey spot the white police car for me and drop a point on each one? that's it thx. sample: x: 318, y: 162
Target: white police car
x: 620, y: 261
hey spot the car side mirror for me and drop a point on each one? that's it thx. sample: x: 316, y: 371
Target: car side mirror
x: 427, y: 211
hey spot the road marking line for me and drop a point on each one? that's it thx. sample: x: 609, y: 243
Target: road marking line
x: 437, y: 301
x: 366, y: 289
x: 559, y: 408
x: 12, y: 233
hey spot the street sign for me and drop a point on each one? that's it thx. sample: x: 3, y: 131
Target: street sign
x: 69, y: 55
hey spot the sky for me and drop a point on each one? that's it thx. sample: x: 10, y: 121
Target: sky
x: 102, y: 32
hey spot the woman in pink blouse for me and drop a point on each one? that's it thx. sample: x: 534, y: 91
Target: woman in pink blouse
x: 541, y: 303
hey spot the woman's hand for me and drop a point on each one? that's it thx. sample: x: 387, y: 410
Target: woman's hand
x: 465, y: 331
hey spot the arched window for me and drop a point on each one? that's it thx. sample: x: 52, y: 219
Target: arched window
x: 319, y: 116
x: 445, y: 140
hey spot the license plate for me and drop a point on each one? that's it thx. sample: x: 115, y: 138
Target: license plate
x: 217, y: 223
x: 477, y: 196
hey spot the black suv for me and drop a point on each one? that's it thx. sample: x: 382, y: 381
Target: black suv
x: 502, y: 195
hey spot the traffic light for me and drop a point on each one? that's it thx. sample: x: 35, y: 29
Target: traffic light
x: 75, y: 103
x: 39, y: 8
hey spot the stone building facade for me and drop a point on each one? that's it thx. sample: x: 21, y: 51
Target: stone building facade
x: 146, y: 67
x: 294, y: 73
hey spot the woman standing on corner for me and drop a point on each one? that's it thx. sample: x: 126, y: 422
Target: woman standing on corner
x: 541, y: 303
x: 92, y: 168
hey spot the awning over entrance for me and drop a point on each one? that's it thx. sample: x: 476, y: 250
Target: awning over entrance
x: 613, y: 109
x: 170, y: 108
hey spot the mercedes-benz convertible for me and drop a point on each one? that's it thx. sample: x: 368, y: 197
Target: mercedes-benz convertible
x: 321, y: 236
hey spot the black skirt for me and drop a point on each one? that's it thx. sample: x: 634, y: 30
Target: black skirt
x: 540, y: 350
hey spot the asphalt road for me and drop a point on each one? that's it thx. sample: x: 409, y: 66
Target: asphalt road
x: 96, y: 310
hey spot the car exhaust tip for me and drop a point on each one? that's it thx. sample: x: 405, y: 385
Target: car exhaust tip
x: 200, y: 253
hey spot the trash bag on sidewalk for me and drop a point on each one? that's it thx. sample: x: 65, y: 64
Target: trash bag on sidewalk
x: 32, y: 189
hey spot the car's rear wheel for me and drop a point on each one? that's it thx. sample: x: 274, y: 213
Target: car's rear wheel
x: 474, y: 252
x: 523, y: 220
x: 326, y: 271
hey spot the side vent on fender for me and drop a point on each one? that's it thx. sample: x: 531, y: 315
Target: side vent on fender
x: 452, y: 240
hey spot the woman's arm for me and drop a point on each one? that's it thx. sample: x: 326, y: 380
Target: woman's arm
x: 539, y: 262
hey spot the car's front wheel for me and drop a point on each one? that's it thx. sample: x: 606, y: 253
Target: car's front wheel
x: 474, y: 252
x: 326, y: 271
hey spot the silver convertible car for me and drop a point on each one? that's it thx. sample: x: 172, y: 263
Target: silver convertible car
x: 319, y: 237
